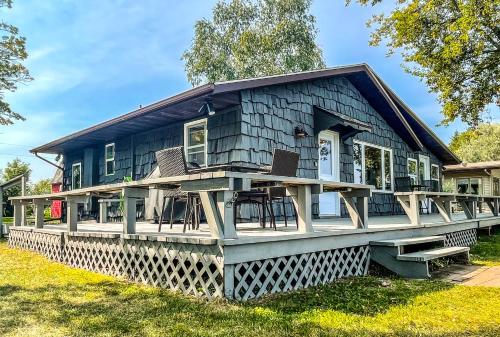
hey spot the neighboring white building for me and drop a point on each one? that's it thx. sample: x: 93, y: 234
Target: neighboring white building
x: 473, y: 178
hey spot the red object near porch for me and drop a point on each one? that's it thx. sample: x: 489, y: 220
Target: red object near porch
x: 56, y: 207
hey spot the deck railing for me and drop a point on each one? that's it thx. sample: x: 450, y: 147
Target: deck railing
x: 216, y: 190
x: 410, y: 202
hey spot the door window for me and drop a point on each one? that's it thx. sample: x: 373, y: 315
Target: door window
x: 325, y: 157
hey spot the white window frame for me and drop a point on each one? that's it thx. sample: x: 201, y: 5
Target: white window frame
x: 72, y: 178
x: 363, y: 168
x: 408, y: 160
x: 480, y: 180
x: 437, y: 166
x: 186, y: 135
x: 106, y: 159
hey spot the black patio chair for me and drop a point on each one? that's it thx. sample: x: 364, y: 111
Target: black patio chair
x: 404, y: 184
x: 285, y: 163
x: 432, y: 185
x: 172, y: 162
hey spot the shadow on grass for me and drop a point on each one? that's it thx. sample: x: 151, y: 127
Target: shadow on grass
x: 365, y: 296
x: 117, y: 308
x: 70, y: 302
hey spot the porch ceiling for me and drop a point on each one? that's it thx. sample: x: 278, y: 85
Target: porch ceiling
x: 178, y: 108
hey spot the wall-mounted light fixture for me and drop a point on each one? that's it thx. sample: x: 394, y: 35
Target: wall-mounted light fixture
x: 207, y: 108
x: 300, y: 132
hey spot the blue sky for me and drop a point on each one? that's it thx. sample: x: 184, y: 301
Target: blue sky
x: 94, y: 60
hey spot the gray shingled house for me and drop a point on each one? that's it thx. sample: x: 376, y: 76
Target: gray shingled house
x: 345, y: 123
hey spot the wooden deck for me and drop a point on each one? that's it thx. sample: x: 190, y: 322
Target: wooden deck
x: 246, y: 261
x: 253, y: 233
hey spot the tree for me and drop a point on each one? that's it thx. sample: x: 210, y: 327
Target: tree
x: 12, y: 71
x: 14, y: 169
x: 43, y: 186
x: 453, y: 45
x: 480, y: 144
x: 247, y: 38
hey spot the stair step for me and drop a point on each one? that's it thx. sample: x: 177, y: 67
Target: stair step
x: 407, y: 241
x: 431, y: 254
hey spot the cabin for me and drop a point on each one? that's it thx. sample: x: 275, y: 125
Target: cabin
x: 338, y: 172
x: 473, y: 178
x: 345, y: 123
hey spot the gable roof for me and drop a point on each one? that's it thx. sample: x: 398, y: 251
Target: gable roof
x: 186, y: 105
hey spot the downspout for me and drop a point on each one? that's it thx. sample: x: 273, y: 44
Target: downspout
x: 48, y: 161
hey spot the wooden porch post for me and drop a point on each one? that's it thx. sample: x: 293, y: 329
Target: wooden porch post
x: 443, y: 204
x: 356, y: 203
x: 103, y: 212
x: 17, y: 212
x: 492, y: 204
x: 23, y: 205
x: 39, y: 206
x: 72, y: 214
x: 226, y: 210
x: 130, y: 196
x: 469, y: 207
x: 303, y: 204
x: 411, y: 205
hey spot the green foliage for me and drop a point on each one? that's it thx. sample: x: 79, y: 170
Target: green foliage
x: 448, y: 186
x: 480, y: 144
x: 246, y: 38
x: 12, y: 71
x: 43, y: 186
x: 42, y: 298
x: 14, y: 169
x: 453, y: 45
x: 487, y: 250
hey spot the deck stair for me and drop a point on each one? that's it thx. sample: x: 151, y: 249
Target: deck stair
x: 409, y: 257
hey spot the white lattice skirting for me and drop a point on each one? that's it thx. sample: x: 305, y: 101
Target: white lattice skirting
x: 46, y: 244
x: 189, y: 268
x: 463, y: 238
x: 256, y: 278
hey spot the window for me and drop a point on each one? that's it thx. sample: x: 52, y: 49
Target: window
x: 469, y: 185
x: 358, y: 164
x: 109, y: 159
x: 372, y: 165
x: 435, y: 172
x: 496, y: 186
x: 463, y: 185
x: 476, y: 186
x: 412, y: 170
x: 195, y: 142
x: 76, y: 176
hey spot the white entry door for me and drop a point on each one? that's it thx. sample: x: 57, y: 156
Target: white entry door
x: 329, y: 164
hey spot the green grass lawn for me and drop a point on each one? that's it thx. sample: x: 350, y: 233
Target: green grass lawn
x: 42, y: 298
x: 487, y: 250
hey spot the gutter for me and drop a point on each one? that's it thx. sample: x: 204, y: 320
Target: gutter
x: 48, y: 161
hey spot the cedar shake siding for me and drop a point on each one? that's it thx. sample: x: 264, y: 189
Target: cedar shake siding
x: 247, y: 133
